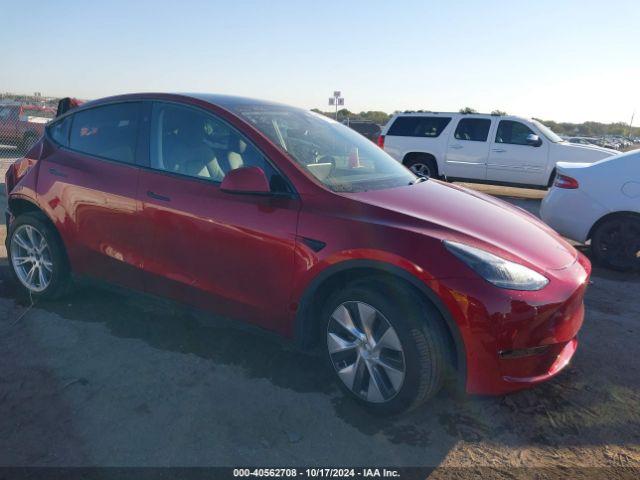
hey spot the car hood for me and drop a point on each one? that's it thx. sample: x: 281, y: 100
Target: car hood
x: 456, y: 213
x: 574, y: 152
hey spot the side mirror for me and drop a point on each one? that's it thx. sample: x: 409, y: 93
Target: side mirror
x: 247, y: 180
x: 533, y: 140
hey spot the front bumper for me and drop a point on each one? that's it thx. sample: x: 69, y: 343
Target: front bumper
x: 513, y: 339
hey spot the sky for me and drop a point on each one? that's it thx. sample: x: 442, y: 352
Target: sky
x: 558, y: 60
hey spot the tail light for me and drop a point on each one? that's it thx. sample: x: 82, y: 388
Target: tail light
x: 564, y: 181
x: 381, y: 141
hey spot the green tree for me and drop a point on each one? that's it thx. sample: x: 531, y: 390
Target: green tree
x: 468, y: 110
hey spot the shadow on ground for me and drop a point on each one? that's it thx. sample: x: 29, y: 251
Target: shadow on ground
x: 583, y: 406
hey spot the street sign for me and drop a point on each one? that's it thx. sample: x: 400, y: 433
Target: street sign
x: 336, y: 93
x: 332, y: 101
x: 340, y: 101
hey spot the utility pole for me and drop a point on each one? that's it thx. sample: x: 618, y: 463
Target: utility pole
x: 631, y: 123
x: 336, y: 100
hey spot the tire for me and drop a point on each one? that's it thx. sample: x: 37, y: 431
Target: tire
x: 422, y: 165
x: 418, y: 332
x: 26, y: 230
x: 615, y: 243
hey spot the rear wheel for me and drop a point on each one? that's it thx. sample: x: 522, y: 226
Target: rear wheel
x: 615, y: 243
x: 37, y: 258
x: 384, y: 346
x: 422, y: 166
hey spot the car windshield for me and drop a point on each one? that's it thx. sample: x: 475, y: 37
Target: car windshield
x: 547, y: 132
x: 339, y: 157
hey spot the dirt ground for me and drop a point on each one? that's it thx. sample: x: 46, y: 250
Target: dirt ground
x: 105, y: 379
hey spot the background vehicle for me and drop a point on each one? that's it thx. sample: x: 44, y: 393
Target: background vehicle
x: 599, y: 202
x: 365, y: 128
x: 481, y: 148
x: 21, y: 125
x: 583, y: 140
x: 288, y: 220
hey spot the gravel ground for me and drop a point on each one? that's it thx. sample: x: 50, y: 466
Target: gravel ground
x: 106, y: 379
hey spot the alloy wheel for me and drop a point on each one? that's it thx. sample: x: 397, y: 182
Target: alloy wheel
x: 31, y: 258
x: 620, y: 243
x: 366, y: 352
x: 421, y: 169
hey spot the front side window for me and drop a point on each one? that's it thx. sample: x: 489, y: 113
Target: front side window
x: 473, y: 129
x: 337, y: 156
x: 514, y: 133
x: 109, y: 131
x: 418, y: 126
x: 197, y: 144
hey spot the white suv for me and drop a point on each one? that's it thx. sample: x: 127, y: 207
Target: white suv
x: 482, y: 148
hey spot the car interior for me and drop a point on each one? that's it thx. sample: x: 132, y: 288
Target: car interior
x: 194, y: 144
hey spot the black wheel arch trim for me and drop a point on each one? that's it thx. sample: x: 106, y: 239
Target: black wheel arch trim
x: 426, y: 155
x: 607, y: 216
x: 35, y: 208
x: 304, y: 322
x: 418, y: 154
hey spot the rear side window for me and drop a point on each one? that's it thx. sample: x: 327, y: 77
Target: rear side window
x: 418, y: 126
x: 59, y: 131
x: 473, y: 129
x: 109, y: 132
x: 516, y: 133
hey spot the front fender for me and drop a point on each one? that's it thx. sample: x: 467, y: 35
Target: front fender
x: 371, y: 261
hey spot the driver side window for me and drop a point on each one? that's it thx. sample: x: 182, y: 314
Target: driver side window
x: 191, y: 142
x: 514, y: 133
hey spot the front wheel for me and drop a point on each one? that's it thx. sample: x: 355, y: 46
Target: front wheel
x: 37, y: 257
x: 384, y: 346
x: 615, y: 243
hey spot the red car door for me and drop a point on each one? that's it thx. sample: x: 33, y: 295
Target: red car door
x: 233, y: 254
x: 88, y: 181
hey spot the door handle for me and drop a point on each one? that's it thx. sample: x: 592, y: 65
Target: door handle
x: 455, y: 147
x: 498, y: 150
x: 155, y: 196
x: 57, y: 173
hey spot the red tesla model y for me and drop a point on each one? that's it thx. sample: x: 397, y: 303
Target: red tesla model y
x: 277, y: 216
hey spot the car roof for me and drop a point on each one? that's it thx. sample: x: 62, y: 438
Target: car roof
x: 224, y: 101
x: 425, y: 113
x: 231, y: 101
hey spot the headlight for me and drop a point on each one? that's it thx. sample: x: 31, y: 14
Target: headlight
x: 498, y: 271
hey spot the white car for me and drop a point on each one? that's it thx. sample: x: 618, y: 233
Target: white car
x: 599, y: 202
x: 497, y: 149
